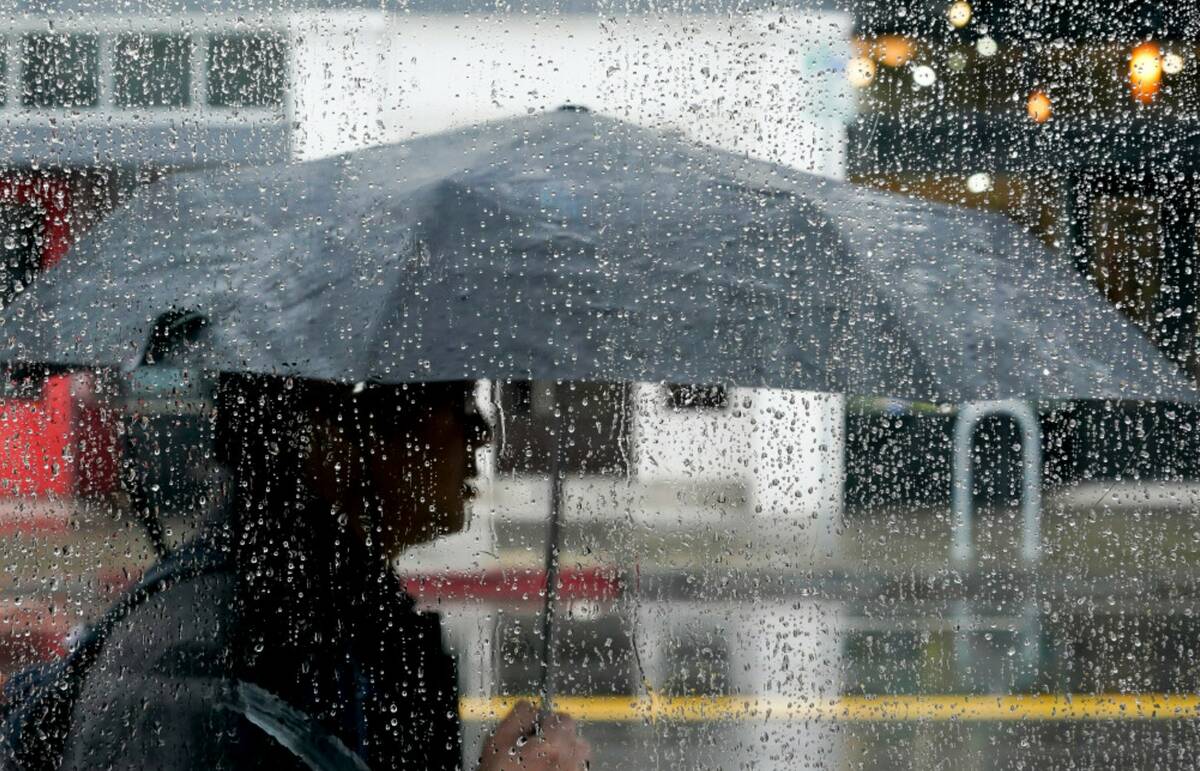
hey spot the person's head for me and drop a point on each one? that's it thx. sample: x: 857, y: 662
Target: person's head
x: 395, y: 460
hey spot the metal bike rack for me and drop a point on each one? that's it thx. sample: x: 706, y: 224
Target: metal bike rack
x: 963, y: 509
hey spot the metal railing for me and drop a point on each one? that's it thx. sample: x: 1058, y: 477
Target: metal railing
x: 962, y: 503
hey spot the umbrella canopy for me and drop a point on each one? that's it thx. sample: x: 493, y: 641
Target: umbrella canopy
x: 573, y: 246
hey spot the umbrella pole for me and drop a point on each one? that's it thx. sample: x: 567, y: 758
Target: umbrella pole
x: 546, y: 690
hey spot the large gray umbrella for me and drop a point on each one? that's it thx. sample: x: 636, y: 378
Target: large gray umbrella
x: 573, y: 246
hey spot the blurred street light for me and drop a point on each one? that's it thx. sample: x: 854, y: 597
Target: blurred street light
x: 959, y: 14
x: 1039, y: 107
x: 892, y: 50
x: 979, y: 182
x: 923, y: 76
x: 1145, y: 71
x: 986, y: 46
x: 1172, y: 63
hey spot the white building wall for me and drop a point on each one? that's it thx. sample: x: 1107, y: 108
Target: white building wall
x: 782, y: 451
x: 770, y: 85
x: 691, y: 445
x: 797, y: 476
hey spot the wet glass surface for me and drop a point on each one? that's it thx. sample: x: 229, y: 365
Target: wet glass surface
x: 447, y: 386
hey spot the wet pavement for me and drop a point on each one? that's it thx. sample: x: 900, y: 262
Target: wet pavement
x: 704, y: 610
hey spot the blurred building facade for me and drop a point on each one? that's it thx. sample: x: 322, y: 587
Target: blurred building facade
x: 94, y: 102
x: 1076, y: 119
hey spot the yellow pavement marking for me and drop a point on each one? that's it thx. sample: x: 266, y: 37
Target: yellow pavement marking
x: 928, y: 707
x: 939, y: 707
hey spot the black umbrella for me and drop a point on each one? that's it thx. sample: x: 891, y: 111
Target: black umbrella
x: 572, y: 246
x: 568, y: 246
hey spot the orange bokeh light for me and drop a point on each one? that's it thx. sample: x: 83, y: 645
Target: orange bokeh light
x: 1145, y: 71
x: 892, y: 50
x: 1039, y: 107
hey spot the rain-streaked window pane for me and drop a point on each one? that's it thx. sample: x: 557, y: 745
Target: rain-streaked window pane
x: 60, y: 70
x: 777, y: 387
x: 151, y: 70
x: 246, y: 70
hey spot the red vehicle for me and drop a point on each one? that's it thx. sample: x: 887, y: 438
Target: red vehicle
x: 53, y: 439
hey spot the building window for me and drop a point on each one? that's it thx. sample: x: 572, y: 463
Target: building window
x: 691, y: 397
x: 60, y: 70
x: 151, y: 71
x: 597, y: 438
x: 246, y: 70
x: 20, y: 247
